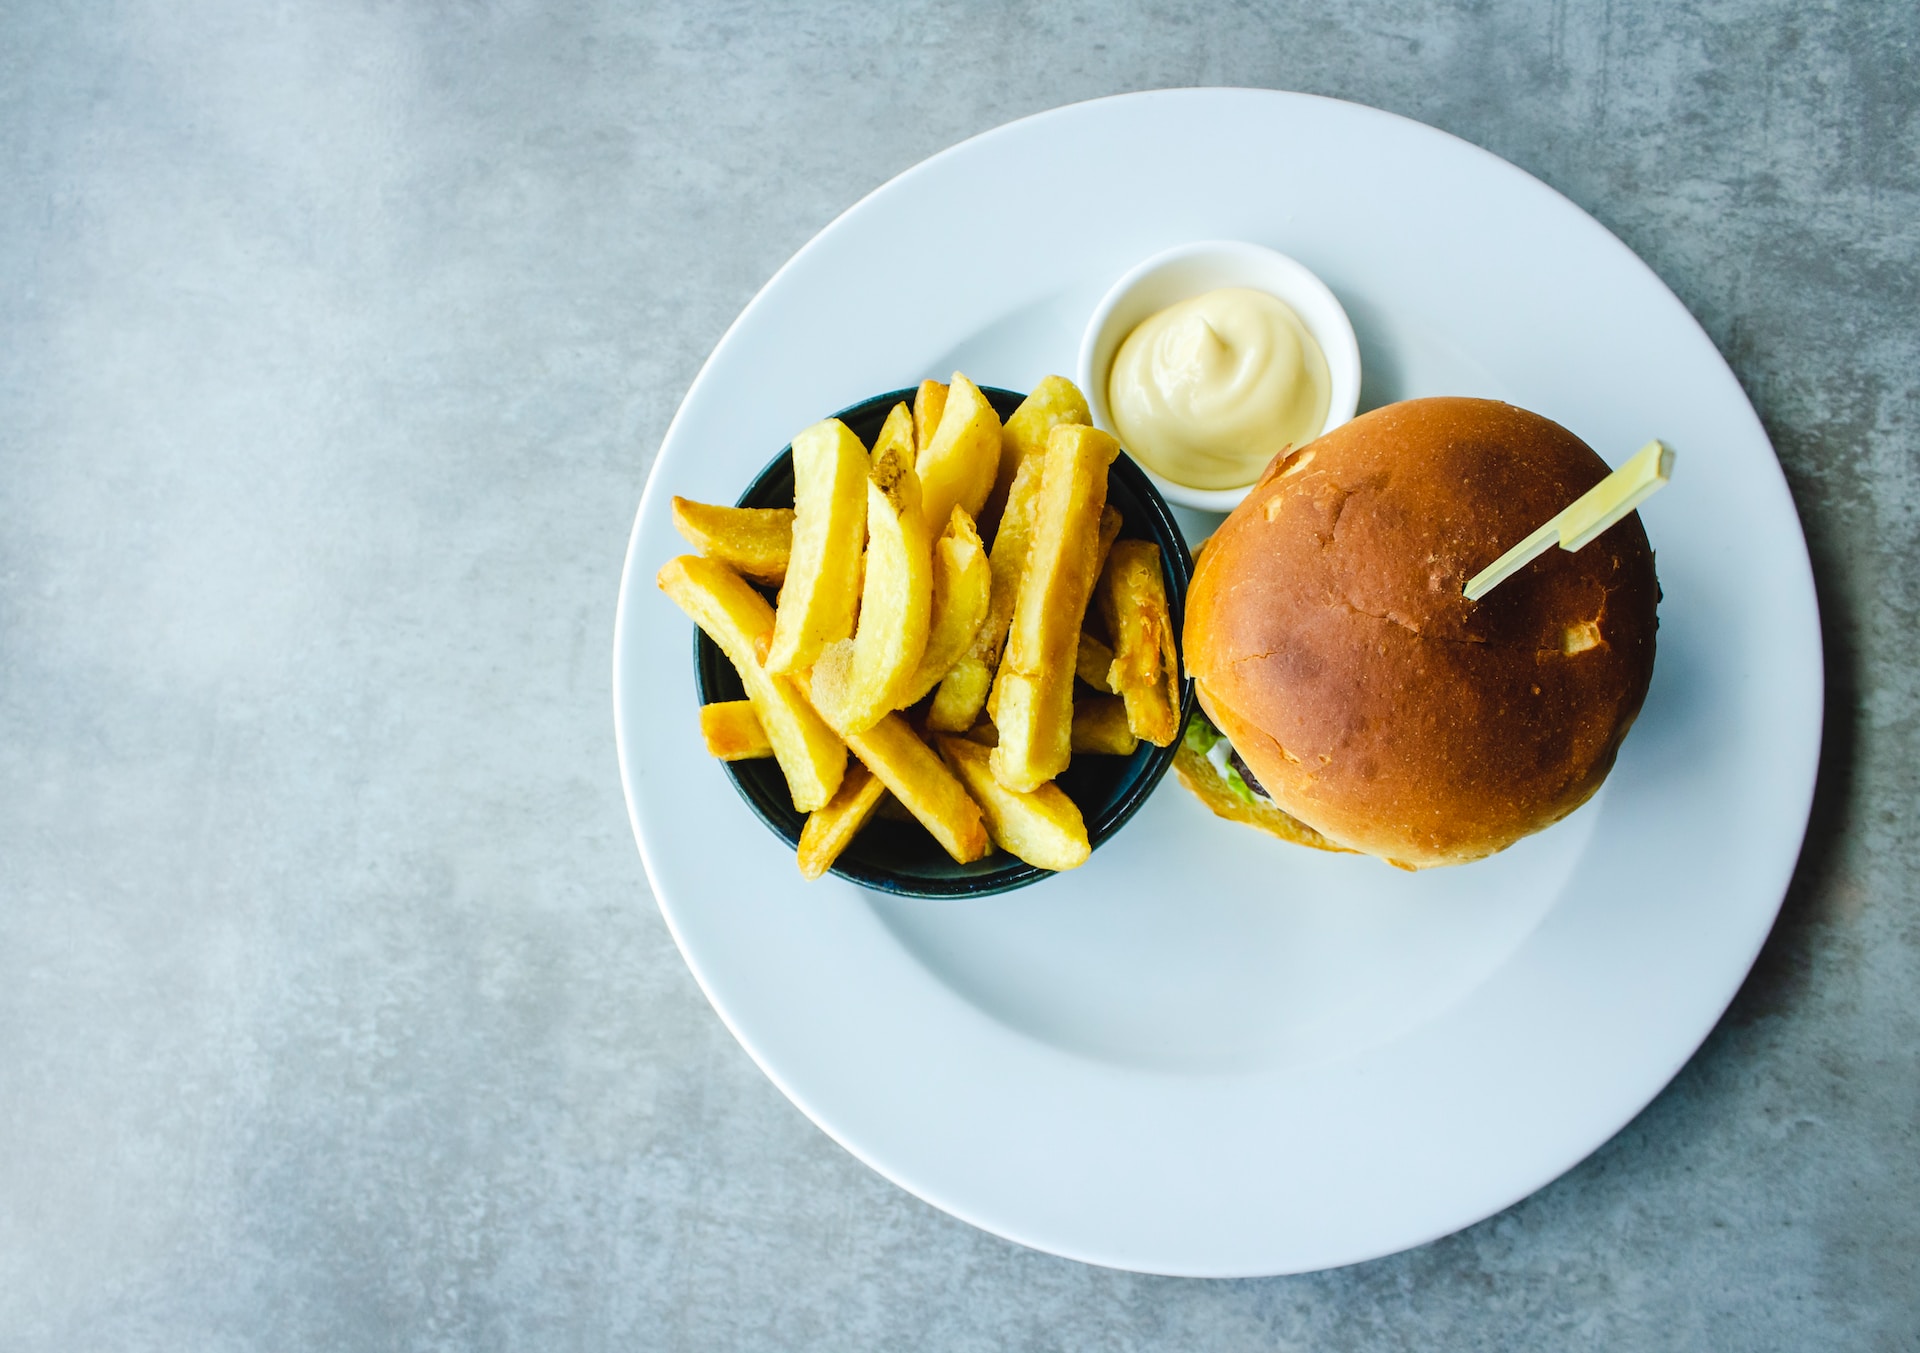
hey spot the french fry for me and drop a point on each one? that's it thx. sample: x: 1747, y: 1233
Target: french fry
x: 924, y: 786
x: 1054, y: 400
x: 1042, y: 826
x: 1146, y: 666
x: 962, y: 592
x: 725, y: 605
x: 921, y: 782
x: 755, y: 541
x: 830, y: 511
x: 732, y: 731
x: 961, y: 461
x: 831, y: 829
x: 857, y: 680
x: 1032, y: 699
x: 1094, y: 656
x: 984, y: 733
x: 963, y: 694
x: 1011, y: 546
x: 1090, y: 664
x: 1100, y: 727
x: 929, y: 401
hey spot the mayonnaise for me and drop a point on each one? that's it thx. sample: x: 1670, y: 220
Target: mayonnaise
x: 1208, y: 391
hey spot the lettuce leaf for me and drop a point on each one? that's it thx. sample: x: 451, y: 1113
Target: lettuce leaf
x: 1202, y: 737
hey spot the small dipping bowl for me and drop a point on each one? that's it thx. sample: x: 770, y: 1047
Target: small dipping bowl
x: 1191, y: 270
x: 901, y: 857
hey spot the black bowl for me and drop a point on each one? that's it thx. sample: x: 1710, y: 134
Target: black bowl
x: 902, y: 857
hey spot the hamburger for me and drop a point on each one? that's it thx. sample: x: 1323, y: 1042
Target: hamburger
x: 1354, y: 699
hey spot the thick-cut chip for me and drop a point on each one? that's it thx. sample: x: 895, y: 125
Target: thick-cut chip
x: 1011, y: 545
x: 1100, y: 727
x: 962, y: 592
x: 1032, y: 699
x: 921, y: 782
x: 962, y: 695
x: 984, y: 733
x: 1146, y: 666
x: 964, y: 692
x: 1092, y: 662
x: 929, y: 401
x: 831, y: 830
x: 960, y: 462
x: 857, y: 680
x: 732, y: 731
x: 754, y: 540
x: 830, y: 517
x: 725, y: 605
x: 925, y: 787
x: 1055, y: 400
x: 1042, y: 826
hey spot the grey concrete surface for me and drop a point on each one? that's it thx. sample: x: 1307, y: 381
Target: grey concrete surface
x: 335, y: 340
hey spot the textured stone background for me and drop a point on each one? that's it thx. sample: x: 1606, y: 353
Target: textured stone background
x: 335, y: 339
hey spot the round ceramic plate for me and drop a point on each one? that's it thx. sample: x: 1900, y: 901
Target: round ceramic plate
x: 1207, y: 1052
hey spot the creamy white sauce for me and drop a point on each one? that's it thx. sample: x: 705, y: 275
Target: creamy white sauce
x: 1208, y: 391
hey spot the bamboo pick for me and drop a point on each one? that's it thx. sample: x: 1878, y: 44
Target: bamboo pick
x: 1586, y: 518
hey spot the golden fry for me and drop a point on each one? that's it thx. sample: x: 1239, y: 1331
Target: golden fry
x: 732, y: 731
x: 831, y: 829
x: 755, y: 541
x: 925, y: 788
x: 1100, y: 727
x: 962, y: 591
x: 857, y: 680
x: 1090, y: 664
x: 1011, y: 547
x: 1032, y: 699
x: 964, y: 692
x: 1042, y: 826
x: 1055, y: 400
x: 922, y: 784
x: 962, y: 695
x: 1146, y: 666
x: 830, y: 512
x: 725, y: 605
x: 960, y: 462
x: 929, y: 401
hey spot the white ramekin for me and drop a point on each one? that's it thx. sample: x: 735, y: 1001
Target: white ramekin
x: 1187, y: 271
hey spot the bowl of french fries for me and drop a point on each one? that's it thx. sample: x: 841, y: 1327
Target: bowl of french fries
x: 936, y: 641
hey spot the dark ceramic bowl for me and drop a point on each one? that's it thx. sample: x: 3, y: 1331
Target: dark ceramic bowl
x: 902, y: 857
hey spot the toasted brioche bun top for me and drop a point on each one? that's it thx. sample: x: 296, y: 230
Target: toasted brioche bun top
x: 1329, y: 640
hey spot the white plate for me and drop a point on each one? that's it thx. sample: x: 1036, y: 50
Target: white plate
x: 1207, y: 1052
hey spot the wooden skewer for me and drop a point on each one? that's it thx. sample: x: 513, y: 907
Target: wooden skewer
x: 1583, y: 520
